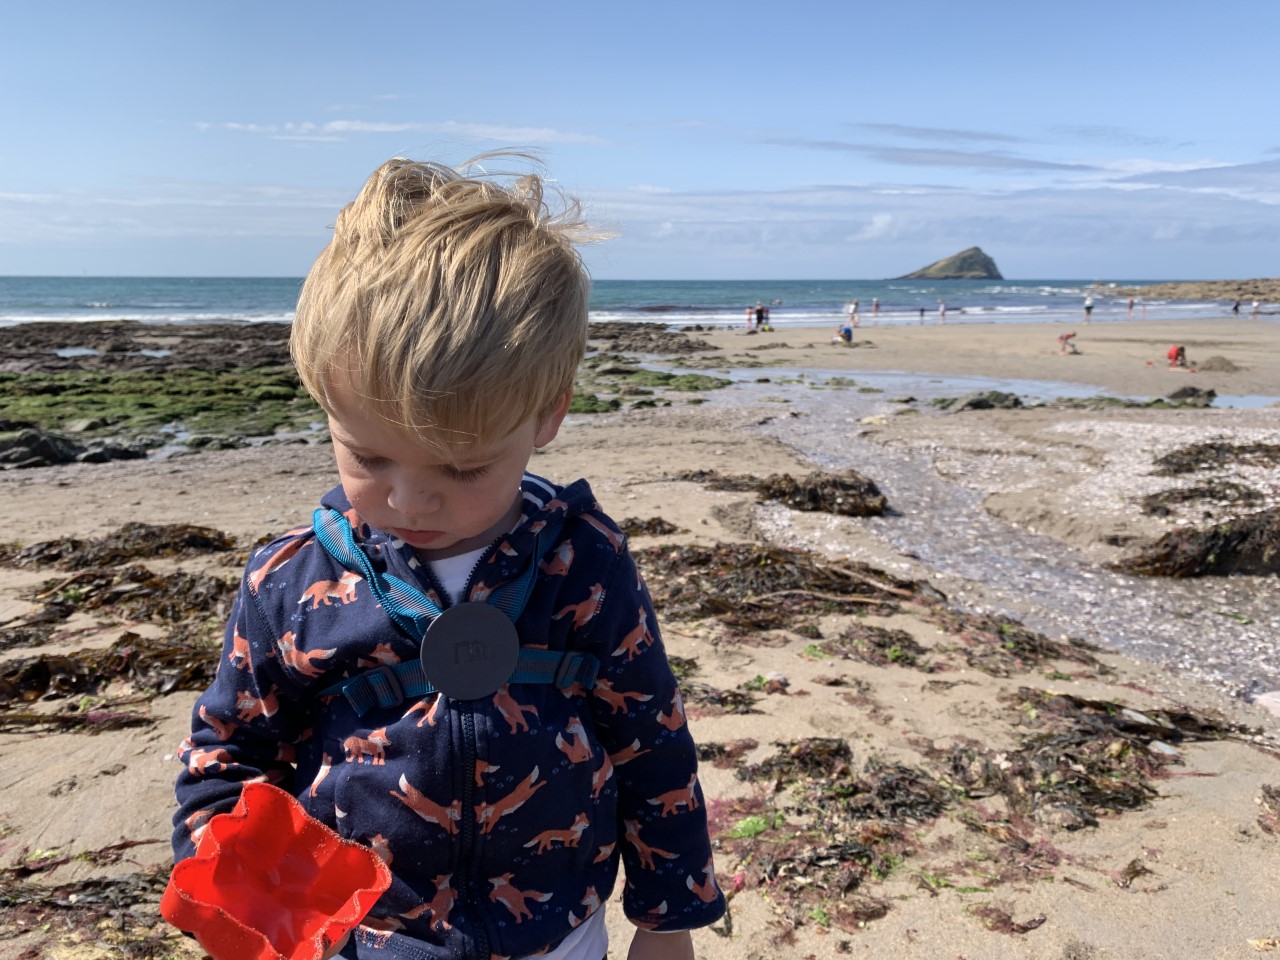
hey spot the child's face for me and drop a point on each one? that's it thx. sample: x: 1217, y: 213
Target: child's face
x: 403, y: 487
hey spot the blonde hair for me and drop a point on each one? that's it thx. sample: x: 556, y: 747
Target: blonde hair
x: 457, y: 304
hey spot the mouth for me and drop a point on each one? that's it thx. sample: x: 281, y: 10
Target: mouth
x: 418, y: 538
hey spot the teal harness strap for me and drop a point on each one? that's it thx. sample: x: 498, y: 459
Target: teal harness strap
x: 412, y: 611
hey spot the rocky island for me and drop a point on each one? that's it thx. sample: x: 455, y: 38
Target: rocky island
x: 971, y: 264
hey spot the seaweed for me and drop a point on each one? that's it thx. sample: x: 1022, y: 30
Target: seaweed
x: 1211, y: 454
x: 1001, y: 647
x: 759, y: 588
x: 1244, y: 545
x: 653, y: 527
x: 151, y: 664
x: 845, y: 493
x: 879, y: 646
x: 130, y: 542
x: 1215, y: 491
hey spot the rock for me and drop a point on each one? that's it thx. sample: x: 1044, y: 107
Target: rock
x: 989, y: 400
x: 36, y: 448
x: 1192, y: 397
x: 971, y: 264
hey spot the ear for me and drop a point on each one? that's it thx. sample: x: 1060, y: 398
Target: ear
x: 550, y: 424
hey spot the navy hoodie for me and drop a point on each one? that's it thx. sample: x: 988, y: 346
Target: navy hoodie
x: 503, y: 819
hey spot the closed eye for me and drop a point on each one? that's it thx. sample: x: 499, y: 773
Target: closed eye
x: 363, y: 462
x: 466, y: 476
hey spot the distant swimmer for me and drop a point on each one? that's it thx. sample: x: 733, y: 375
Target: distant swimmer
x: 942, y: 311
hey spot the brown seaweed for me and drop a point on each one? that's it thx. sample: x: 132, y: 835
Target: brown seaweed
x: 1244, y: 545
x: 132, y: 541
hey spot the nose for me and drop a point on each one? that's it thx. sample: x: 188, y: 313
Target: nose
x: 414, y: 499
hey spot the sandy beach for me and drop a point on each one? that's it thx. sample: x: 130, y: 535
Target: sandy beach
x: 903, y: 774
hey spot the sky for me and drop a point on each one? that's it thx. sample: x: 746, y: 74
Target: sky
x: 713, y: 140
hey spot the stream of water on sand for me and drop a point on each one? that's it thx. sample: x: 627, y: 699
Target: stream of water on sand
x: 1222, y: 630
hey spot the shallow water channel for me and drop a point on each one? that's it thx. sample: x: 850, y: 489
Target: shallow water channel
x: 1223, y: 630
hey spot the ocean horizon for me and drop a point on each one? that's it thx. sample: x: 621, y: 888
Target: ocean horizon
x: 676, y: 303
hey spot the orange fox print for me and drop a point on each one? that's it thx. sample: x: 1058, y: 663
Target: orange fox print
x: 558, y: 564
x: 652, y: 918
x: 298, y: 661
x: 681, y: 797
x: 566, y: 838
x: 441, y: 903
x: 326, y: 591
x: 281, y: 557
x: 326, y: 764
x: 222, y: 729
x: 602, y: 775
x: 584, y: 610
x: 444, y: 817
x: 430, y: 711
x: 379, y: 845
x: 576, y: 747
x: 488, y: 814
x: 212, y: 760
x: 628, y: 753
x: 590, y: 900
x: 240, y: 652
x: 605, y: 853
x: 357, y: 748
x: 706, y: 890
x: 617, y: 699
x: 483, y: 767
x: 637, y: 639
x: 674, y: 720
x: 382, y: 656
x: 513, y: 899
x: 645, y: 852
x: 616, y: 539
x: 252, y: 707
x: 480, y: 593
x: 512, y: 711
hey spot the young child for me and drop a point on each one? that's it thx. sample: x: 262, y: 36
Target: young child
x: 440, y: 329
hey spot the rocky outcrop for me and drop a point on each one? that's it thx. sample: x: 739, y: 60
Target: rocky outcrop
x: 971, y: 264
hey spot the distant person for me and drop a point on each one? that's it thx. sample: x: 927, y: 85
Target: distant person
x: 1235, y: 308
x: 751, y: 313
x: 854, y: 317
x: 1066, y: 343
x: 762, y: 315
x: 844, y: 335
x: 1177, y: 355
x: 1256, y: 305
x: 875, y: 307
x: 1131, y: 308
x: 942, y: 311
x: 1088, y: 308
x: 922, y: 316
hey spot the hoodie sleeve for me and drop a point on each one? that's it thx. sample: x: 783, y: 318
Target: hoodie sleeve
x: 666, y: 850
x: 243, y: 727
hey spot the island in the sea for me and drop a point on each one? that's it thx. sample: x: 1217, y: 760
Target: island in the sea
x: 971, y: 264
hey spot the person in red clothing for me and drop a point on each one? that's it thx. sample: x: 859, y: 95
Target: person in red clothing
x: 1177, y: 356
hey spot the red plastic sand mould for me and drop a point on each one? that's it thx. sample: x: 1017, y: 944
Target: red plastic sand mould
x: 269, y: 882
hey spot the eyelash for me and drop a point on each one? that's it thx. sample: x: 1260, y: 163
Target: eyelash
x: 459, y: 476
x: 466, y: 476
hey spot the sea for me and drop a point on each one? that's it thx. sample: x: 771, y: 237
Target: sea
x: 682, y: 303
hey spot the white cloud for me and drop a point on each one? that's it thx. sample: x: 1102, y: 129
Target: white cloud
x: 336, y: 129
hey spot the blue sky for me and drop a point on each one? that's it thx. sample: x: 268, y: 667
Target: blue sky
x: 718, y: 140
